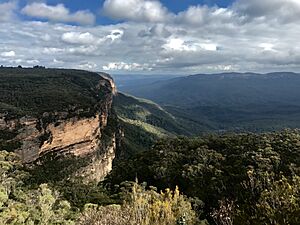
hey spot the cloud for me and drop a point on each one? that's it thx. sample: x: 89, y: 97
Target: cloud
x: 136, y: 10
x: 283, y: 11
x: 7, y: 11
x: 88, y: 40
x: 89, y: 50
x: 177, y: 44
x: 78, y: 38
x: 246, y: 36
x: 267, y: 46
x: 33, y: 61
x: 158, y: 30
x: 8, y: 54
x: 115, y: 35
x: 52, y: 51
x: 58, y: 13
x: 126, y: 66
x: 87, y: 66
x: 202, y: 14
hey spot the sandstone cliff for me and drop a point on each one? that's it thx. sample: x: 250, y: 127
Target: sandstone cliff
x: 78, y: 132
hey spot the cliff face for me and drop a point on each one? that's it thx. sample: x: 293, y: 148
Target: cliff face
x: 82, y: 134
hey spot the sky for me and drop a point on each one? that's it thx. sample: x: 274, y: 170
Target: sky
x: 152, y: 36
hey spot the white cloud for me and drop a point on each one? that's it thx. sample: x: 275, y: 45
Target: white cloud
x: 136, y: 10
x: 87, y: 66
x: 56, y: 61
x: 8, y: 54
x: 177, y: 44
x: 267, y: 46
x: 194, y: 15
x: 7, y: 11
x: 58, y: 13
x: 78, y: 38
x: 52, y: 51
x: 33, y: 61
x: 221, y: 68
x: 115, y: 34
x: 86, y: 38
x: 46, y: 37
x: 126, y: 66
x: 90, y: 50
x: 201, y: 15
x: 208, y: 46
x: 199, y: 39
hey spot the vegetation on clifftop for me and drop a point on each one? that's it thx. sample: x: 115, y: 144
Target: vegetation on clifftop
x: 32, y: 92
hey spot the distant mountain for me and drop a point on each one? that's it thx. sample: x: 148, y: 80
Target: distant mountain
x: 126, y: 83
x: 229, y: 101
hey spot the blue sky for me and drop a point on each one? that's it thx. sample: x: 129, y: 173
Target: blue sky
x: 173, y: 5
x: 94, y: 6
x: 152, y: 36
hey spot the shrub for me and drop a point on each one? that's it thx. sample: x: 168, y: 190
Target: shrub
x: 143, y: 207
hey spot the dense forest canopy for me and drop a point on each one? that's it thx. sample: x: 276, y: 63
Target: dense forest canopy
x: 227, y: 179
x: 252, y: 178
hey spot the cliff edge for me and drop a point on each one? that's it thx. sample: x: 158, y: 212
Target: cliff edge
x: 59, y: 120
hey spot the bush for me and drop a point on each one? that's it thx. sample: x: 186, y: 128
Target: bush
x: 143, y: 207
x: 21, y: 205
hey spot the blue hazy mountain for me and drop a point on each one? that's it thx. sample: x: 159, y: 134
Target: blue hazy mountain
x: 227, y: 101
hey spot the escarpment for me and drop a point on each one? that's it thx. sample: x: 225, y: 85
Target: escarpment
x: 59, y: 121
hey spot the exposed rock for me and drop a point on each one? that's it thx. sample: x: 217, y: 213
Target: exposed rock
x: 67, y: 134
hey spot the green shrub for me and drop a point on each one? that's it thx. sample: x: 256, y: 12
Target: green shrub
x: 143, y: 207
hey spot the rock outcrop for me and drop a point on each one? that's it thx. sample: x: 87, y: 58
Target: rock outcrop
x: 83, y: 134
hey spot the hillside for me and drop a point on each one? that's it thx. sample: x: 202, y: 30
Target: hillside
x: 143, y: 123
x: 59, y: 120
x: 229, y: 101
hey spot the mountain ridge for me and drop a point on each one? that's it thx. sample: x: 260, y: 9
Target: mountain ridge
x: 214, y: 100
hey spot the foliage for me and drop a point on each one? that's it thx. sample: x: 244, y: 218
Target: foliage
x: 31, y: 92
x: 20, y: 205
x: 280, y: 204
x: 272, y: 201
x: 42, y: 204
x: 79, y: 193
x: 217, y: 170
x: 143, y: 123
x: 6, y: 140
x: 144, y: 207
x: 148, y: 112
x: 108, y: 215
